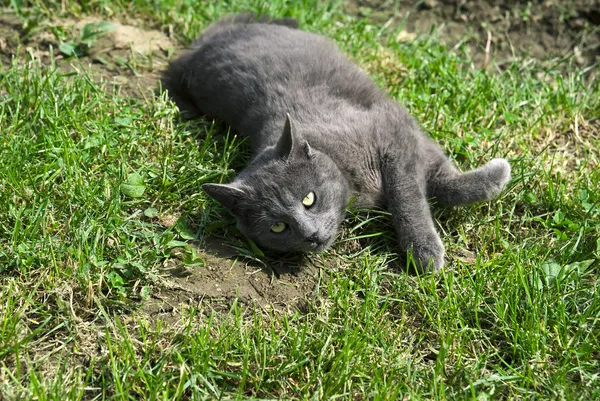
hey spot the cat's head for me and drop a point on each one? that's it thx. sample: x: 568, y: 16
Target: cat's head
x: 292, y: 198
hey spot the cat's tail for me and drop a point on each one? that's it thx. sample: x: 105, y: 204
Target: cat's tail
x: 451, y: 187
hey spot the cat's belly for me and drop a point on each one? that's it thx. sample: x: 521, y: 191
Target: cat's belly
x: 357, y: 157
x: 366, y: 183
x: 368, y: 197
x: 368, y: 201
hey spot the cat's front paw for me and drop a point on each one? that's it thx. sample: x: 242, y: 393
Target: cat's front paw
x: 428, y: 253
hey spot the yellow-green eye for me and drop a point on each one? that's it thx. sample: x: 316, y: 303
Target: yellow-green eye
x: 309, y: 199
x: 278, y: 227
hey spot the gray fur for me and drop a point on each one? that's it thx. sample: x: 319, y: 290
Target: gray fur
x: 343, y: 138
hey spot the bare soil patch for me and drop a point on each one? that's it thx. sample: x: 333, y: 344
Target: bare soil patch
x: 281, y: 283
x: 539, y: 29
x: 128, y: 58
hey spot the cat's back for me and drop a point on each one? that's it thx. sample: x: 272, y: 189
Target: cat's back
x: 246, y: 72
x: 274, y: 53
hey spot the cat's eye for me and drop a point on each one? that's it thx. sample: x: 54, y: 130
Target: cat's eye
x: 278, y: 227
x: 309, y: 199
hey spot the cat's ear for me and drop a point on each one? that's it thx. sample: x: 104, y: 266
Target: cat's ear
x: 285, y: 145
x: 227, y: 195
x: 290, y: 145
x: 306, y: 150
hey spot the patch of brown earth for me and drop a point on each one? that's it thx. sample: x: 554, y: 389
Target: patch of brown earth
x: 539, y: 29
x: 127, y: 58
x: 224, y: 276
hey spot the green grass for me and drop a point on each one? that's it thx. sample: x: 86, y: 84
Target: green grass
x: 515, y: 315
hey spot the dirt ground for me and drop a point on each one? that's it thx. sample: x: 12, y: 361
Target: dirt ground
x: 541, y: 29
x: 280, y: 283
x: 130, y: 58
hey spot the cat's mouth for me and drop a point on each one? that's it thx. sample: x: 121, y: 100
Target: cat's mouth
x: 320, y: 246
x: 317, y: 247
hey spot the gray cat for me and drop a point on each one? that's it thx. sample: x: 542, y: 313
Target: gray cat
x: 321, y: 134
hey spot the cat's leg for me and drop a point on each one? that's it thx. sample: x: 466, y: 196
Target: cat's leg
x: 412, y: 219
x: 451, y: 187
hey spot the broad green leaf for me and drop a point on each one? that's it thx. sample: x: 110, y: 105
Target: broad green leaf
x: 68, y: 48
x: 177, y: 244
x: 94, y: 30
x: 151, y: 212
x: 134, y: 186
x: 184, y: 231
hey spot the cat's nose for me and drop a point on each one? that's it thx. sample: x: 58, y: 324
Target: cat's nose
x: 314, y: 237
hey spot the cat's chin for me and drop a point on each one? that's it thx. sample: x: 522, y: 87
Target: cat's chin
x: 312, y: 248
x: 319, y: 248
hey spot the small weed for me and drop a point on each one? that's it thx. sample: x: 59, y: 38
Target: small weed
x: 89, y: 34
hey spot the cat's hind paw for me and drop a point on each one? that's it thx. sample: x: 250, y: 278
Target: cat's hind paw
x: 497, y: 172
